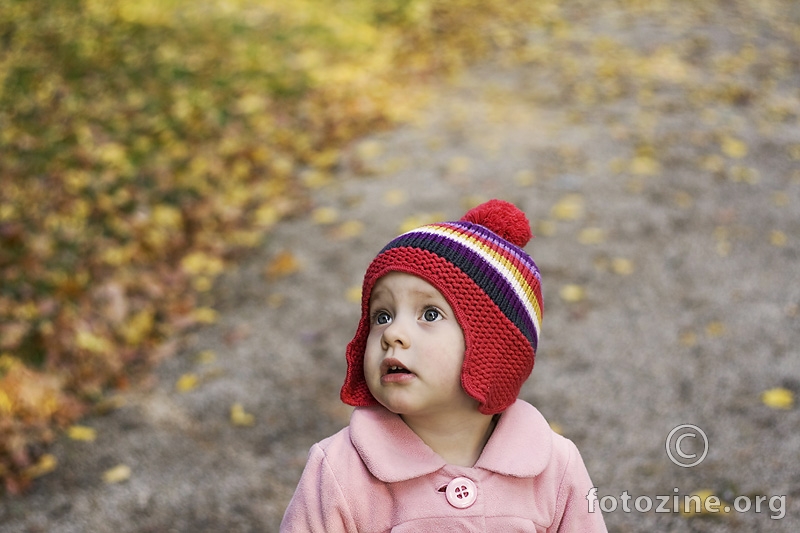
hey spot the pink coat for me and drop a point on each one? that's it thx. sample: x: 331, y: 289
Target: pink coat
x: 377, y: 475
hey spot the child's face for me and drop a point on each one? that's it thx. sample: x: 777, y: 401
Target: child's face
x: 415, y: 348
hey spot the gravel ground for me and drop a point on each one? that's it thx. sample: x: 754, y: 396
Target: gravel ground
x: 665, y: 197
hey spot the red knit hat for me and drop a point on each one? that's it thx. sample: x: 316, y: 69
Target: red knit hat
x: 493, y: 286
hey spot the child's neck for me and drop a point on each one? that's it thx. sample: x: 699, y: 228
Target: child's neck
x: 459, y: 439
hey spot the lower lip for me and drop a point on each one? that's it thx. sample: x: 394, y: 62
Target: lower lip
x: 397, y: 378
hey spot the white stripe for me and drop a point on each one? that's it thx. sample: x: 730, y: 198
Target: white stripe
x: 502, y: 269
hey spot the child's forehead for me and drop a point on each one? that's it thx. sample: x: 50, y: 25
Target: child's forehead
x: 396, y: 284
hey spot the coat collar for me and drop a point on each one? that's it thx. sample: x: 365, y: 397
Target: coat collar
x: 519, y: 447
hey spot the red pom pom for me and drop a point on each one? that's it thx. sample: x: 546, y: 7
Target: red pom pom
x: 503, y: 218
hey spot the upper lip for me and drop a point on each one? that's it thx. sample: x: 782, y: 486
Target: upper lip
x: 390, y: 362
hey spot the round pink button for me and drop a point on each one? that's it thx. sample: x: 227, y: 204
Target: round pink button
x: 461, y: 492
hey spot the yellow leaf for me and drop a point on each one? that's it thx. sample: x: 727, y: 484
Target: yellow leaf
x: 622, y: 266
x: 525, y: 178
x: 733, y: 147
x: 118, y: 474
x: 644, y: 166
x: 592, y: 236
x: 324, y: 215
x: 367, y: 150
x: 91, y: 342
x: 395, y: 197
x: 239, y: 417
x: 572, y: 293
x: 205, y: 357
x: 715, y: 329
x: 349, y: 229
x: 138, y: 327
x: 186, y: 382
x: 778, y: 398
x: 6, y: 404
x: 546, y: 228
x: 570, y: 207
x: 458, y: 165
x: 749, y: 175
x: 777, y: 238
x: 205, y: 315
x: 82, y: 433
x: 353, y: 294
x: 315, y: 179
x: 780, y: 199
x: 283, y: 264
x: 46, y: 464
x: 202, y: 284
x: 202, y: 263
x: 713, y: 163
x: 703, y: 502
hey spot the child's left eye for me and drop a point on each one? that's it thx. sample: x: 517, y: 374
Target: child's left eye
x: 431, y: 315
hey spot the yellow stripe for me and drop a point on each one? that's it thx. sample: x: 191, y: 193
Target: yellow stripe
x: 523, y: 283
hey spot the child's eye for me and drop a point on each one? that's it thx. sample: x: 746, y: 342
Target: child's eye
x: 431, y: 314
x: 381, y: 318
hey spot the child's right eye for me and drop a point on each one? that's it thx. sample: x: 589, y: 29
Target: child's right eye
x: 381, y: 318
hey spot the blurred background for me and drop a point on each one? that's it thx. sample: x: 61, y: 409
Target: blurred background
x: 190, y: 192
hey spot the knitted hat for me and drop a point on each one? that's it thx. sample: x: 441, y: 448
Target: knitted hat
x: 493, y: 286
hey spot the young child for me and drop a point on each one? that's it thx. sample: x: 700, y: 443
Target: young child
x: 438, y: 441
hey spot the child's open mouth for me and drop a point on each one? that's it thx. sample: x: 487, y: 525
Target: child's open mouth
x: 394, y: 372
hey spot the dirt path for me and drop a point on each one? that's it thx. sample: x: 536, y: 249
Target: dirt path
x: 663, y: 184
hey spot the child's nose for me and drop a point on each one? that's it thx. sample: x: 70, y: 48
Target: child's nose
x: 396, y: 334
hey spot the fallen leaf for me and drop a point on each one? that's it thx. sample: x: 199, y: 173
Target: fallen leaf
x: 187, y: 382
x: 349, y: 229
x: 204, y: 315
x: 82, y: 433
x: 592, y: 236
x: 703, y: 502
x: 572, y: 293
x: 315, y: 179
x: 368, y: 150
x: 644, y: 166
x: 395, y: 197
x: 525, y: 178
x: 715, y: 329
x: 569, y: 207
x: 622, y: 266
x: 780, y: 199
x: 324, y: 216
x: 353, y: 294
x: 459, y: 165
x: 118, y: 474
x: 733, y: 147
x: 778, y: 398
x: 239, y: 417
x: 206, y: 357
x: 778, y: 238
x: 46, y: 464
x: 282, y: 265
x: 546, y: 228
